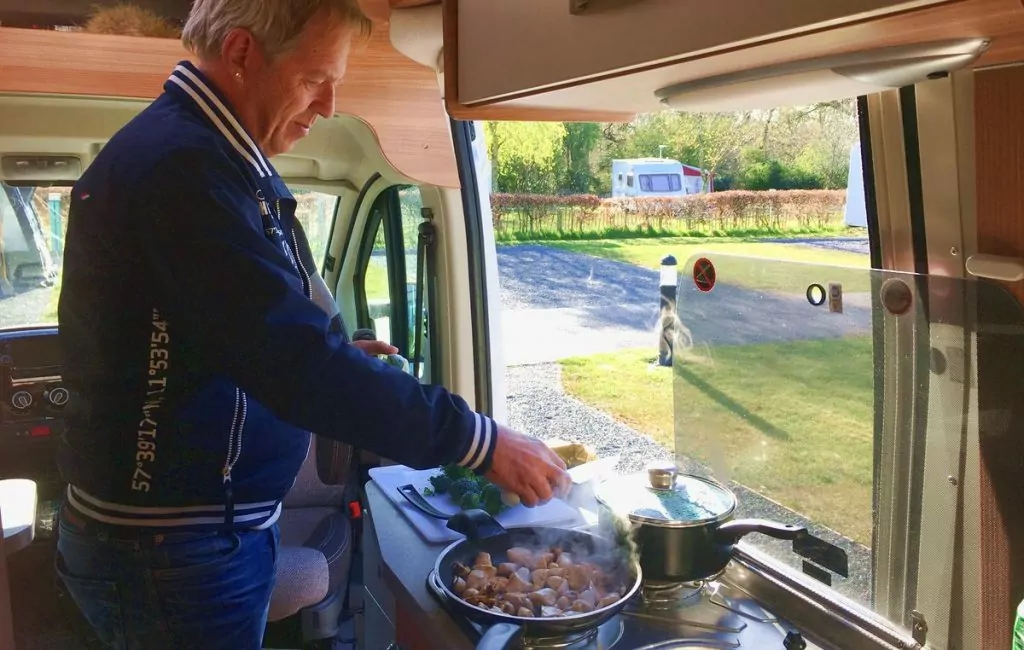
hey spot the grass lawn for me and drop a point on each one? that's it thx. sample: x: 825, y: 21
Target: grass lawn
x: 787, y: 419
x: 377, y: 281
x: 742, y: 271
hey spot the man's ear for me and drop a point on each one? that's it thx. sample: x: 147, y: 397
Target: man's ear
x: 241, y: 53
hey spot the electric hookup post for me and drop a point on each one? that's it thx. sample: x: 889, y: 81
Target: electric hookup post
x: 669, y: 284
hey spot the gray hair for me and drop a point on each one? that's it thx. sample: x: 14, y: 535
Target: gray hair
x: 277, y: 24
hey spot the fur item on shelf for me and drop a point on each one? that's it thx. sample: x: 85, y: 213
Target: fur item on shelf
x: 130, y: 20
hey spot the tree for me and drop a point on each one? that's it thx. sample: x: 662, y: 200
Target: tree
x: 577, y: 148
x: 523, y: 155
x: 718, y: 139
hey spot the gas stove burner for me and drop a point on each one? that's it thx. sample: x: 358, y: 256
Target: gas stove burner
x: 678, y: 605
x: 672, y: 595
x: 746, y: 610
x: 604, y: 637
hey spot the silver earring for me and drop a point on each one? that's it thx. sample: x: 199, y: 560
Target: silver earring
x: 238, y: 77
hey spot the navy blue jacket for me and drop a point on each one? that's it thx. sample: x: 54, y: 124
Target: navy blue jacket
x: 197, y: 359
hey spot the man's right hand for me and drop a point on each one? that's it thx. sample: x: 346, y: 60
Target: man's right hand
x: 527, y: 467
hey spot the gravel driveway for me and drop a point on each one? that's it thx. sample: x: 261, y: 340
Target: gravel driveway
x: 559, y: 304
x: 538, y: 405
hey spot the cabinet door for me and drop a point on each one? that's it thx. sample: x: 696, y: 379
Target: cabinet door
x: 378, y: 630
x: 373, y: 573
x: 510, y: 48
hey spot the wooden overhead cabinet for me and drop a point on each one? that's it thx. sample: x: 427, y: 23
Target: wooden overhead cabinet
x: 572, y: 59
x: 514, y: 47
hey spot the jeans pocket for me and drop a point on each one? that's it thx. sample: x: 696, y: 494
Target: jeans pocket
x: 218, y: 599
x: 99, y: 602
x: 188, y: 556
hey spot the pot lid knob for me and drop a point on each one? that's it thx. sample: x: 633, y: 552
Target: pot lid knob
x: 662, y: 475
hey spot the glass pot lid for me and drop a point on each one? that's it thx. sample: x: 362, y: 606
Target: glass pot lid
x: 662, y: 496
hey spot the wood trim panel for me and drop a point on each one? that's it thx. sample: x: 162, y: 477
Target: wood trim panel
x: 405, y: 4
x: 459, y: 111
x: 398, y: 98
x: 531, y: 114
x: 999, y: 138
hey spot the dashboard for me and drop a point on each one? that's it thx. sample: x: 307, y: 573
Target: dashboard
x: 32, y: 403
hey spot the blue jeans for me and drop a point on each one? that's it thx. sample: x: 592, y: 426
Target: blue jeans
x: 172, y: 590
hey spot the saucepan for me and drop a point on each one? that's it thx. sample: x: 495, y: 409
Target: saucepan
x: 604, y: 579
x: 680, y: 526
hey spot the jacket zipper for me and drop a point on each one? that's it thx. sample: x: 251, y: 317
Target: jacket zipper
x: 234, y: 451
x: 241, y: 400
x: 307, y: 283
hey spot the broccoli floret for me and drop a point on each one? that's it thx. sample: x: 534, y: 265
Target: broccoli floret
x: 469, y: 501
x: 463, y: 486
x: 455, y: 472
x: 490, y: 498
x: 440, y: 483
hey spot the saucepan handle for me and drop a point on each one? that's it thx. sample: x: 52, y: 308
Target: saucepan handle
x: 501, y: 636
x: 730, y: 532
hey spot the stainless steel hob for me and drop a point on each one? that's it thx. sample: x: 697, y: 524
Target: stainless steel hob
x: 709, y: 615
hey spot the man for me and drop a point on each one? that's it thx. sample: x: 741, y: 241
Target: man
x: 199, y: 356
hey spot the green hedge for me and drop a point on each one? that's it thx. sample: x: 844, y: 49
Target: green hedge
x: 531, y: 216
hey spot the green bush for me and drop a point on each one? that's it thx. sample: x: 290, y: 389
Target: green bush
x: 521, y: 217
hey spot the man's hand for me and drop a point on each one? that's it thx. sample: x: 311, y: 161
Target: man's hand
x: 528, y: 468
x: 374, y: 348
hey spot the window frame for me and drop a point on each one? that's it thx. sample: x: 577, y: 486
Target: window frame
x: 385, y: 215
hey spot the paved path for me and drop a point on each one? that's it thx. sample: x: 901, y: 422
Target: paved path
x: 559, y: 304
x: 847, y: 244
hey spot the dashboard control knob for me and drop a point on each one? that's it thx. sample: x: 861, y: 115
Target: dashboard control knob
x: 58, y: 396
x: 22, y: 400
x: 794, y: 641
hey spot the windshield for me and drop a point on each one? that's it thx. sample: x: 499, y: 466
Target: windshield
x: 33, y: 223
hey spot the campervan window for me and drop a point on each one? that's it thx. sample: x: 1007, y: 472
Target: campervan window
x: 582, y: 286
x: 660, y: 183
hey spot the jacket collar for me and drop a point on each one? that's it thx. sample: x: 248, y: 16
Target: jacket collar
x: 192, y: 85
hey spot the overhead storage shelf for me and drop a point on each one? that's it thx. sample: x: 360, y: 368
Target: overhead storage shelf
x: 399, y: 99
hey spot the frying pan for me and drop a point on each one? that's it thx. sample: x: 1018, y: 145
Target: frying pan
x: 505, y: 631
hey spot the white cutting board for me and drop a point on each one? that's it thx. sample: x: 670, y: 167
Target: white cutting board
x: 553, y: 513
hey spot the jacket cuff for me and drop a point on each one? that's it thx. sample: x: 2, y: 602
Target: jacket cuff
x: 480, y: 450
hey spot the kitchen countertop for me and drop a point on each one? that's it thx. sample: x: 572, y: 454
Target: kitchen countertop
x: 407, y: 559
x: 736, y: 605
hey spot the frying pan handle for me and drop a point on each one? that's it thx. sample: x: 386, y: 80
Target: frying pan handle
x: 501, y: 636
x: 730, y: 532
